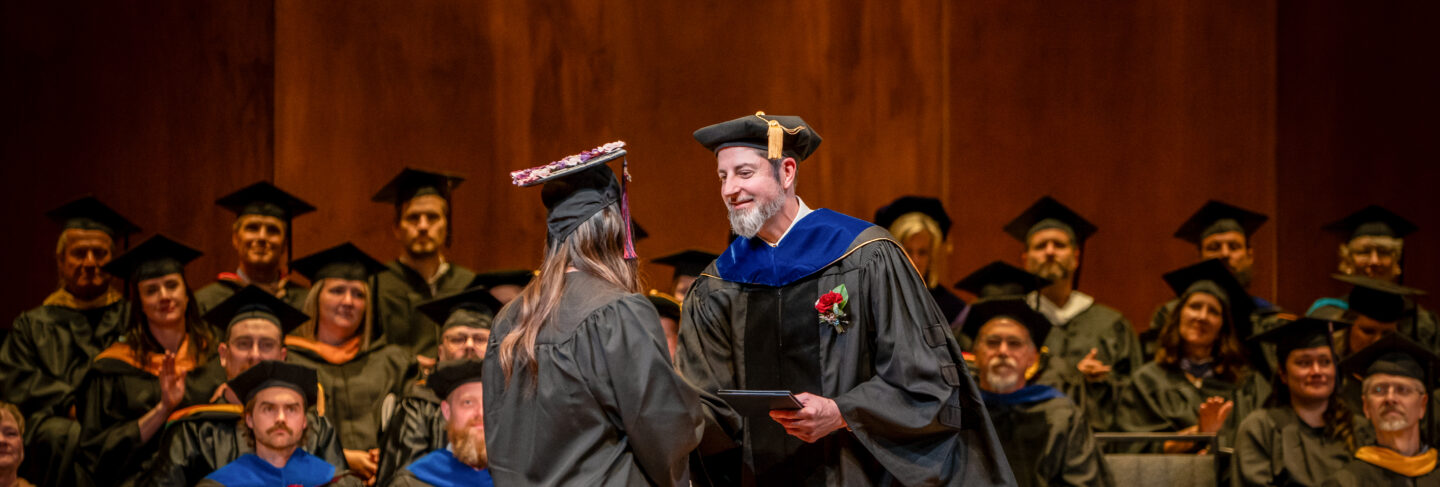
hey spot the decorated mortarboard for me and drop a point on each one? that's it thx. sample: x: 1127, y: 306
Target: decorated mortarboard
x: 688, y: 262
x: 265, y: 199
x: 274, y: 373
x: 779, y: 136
x: 579, y: 186
x: 665, y: 304
x: 1379, y: 300
x: 931, y: 207
x: 1000, y: 279
x: 411, y: 183
x: 88, y: 213
x: 1373, y: 220
x: 1216, y: 217
x: 344, y: 261
x: 473, y: 308
x: 1307, y: 332
x: 156, y: 256
x: 251, y: 302
x: 1013, y: 307
x: 511, y: 277
x: 1394, y: 355
x: 1048, y: 213
x: 452, y: 374
x: 1214, y: 278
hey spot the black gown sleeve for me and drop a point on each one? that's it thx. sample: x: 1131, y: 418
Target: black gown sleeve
x: 416, y: 428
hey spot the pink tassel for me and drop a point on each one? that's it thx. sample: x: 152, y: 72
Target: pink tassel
x: 625, y: 209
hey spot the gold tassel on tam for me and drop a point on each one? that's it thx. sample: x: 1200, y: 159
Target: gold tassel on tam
x: 775, y: 132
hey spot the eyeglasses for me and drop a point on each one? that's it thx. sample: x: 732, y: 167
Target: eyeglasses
x: 1400, y: 390
x: 462, y: 340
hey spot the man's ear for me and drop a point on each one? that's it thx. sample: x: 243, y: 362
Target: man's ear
x: 445, y: 410
x: 223, y: 351
x: 788, y: 170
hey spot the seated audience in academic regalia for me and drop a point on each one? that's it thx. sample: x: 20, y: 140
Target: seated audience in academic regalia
x: 1373, y: 246
x: 262, y: 237
x: 504, y: 285
x: 137, y: 382
x: 669, y: 309
x: 1001, y: 280
x: 463, y: 459
x: 276, y: 396
x: 1396, y: 375
x: 1377, y: 306
x: 1046, y: 437
x: 357, y: 367
x: 688, y: 265
x: 417, y: 426
x: 51, y: 347
x: 922, y: 227
x: 1305, y: 434
x: 1092, y: 338
x: 202, y: 438
x: 12, y: 446
x: 1200, y: 374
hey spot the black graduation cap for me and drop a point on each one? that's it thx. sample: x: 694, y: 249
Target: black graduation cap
x: 931, y: 207
x: 417, y: 182
x: 1392, y: 354
x: 1216, y: 217
x: 156, y: 256
x: 88, y: 213
x: 688, y: 262
x: 251, y: 302
x: 263, y: 198
x: 473, y: 307
x: 999, y: 278
x: 779, y: 135
x: 1015, y: 308
x: 1373, y: 220
x: 1307, y: 332
x: 576, y: 188
x: 665, y: 304
x: 274, y: 373
x: 638, y: 231
x: 1213, y: 278
x: 344, y: 261
x: 452, y: 374
x: 515, y: 277
x: 1049, y: 213
x: 1382, y: 301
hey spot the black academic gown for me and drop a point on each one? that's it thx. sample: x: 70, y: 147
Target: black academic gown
x: 1162, y: 399
x: 607, y: 407
x: 1047, y: 441
x: 228, y: 284
x: 355, y: 390
x: 1359, y: 473
x: 895, y: 372
x: 1102, y: 328
x: 416, y: 428
x: 47, y: 353
x: 203, y: 440
x: 1273, y: 447
x: 399, y: 289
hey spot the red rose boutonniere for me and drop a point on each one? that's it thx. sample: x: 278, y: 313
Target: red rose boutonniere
x: 831, y: 307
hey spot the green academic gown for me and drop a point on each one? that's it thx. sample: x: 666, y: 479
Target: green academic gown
x: 228, y: 283
x: 1162, y: 399
x: 399, y: 289
x: 416, y: 428
x: 1359, y: 473
x: 1273, y: 447
x: 892, y: 367
x: 605, y: 408
x: 201, y: 442
x: 355, y: 390
x: 1047, y: 439
x: 1104, y: 329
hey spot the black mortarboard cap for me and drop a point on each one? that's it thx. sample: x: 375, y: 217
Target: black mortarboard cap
x: 689, y: 262
x: 1214, y: 278
x: 274, y: 373
x: 1307, y: 332
x: 931, y: 207
x: 416, y: 182
x: 638, y: 231
x: 88, y: 213
x: 1216, y: 217
x: 1015, y: 308
x: 1049, y: 213
x: 1001, y: 279
x: 665, y: 304
x: 1373, y: 220
x: 251, y: 302
x: 576, y: 187
x: 266, y: 199
x: 344, y: 261
x: 1379, y: 300
x: 156, y: 256
x: 779, y: 135
x: 473, y: 307
x: 514, y: 277
x: 452, y: 374
x: 1392, y: 354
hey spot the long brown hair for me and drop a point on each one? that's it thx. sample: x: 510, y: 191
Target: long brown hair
x: 1339, y: 421
x: 1229, y: 355
x: 142, y: 343
x: 596, y: 247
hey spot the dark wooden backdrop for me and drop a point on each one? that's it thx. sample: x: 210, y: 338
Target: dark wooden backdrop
x: 1132, y: 112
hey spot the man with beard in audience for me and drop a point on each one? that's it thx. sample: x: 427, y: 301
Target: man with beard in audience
x: 464, y: 461
x: 1397, y: 375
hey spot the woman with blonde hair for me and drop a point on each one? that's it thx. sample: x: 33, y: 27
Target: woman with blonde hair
x: 922, y: 227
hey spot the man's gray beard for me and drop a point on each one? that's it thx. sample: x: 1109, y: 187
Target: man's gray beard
x: 748, y: 223
x: 1053, y: 271
x: 1391, y: 426
x: 1006, y: 381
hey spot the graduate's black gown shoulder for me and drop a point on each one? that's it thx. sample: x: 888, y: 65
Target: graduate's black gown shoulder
x: 416, y: 428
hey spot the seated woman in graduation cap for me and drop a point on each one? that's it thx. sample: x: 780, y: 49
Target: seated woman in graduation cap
x: 1200, y: 375
x: 922, y: 226
x: 136, y: 383
x: 356, y: 366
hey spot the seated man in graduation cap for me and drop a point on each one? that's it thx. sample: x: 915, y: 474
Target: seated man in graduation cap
x: 276, y: 396
x: 417, y: 427
x: 1378, y: 306
x: 1093, y: 338
x: 51, y: 347
x: 922, y: 226
x: 688, y: 265
x: 463, y: 460
x: 504, y: 285
x: 261, y: 235
x: 886, y: 395
x: 200, y: 439
x: 1374, y: 248
x: 1047, y: 438
x: 423, y: 210
x: 1397, y: 373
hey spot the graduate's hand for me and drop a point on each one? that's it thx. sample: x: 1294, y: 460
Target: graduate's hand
x: 363, y: 463
x: 1213, y: 413
x: 172, y: 384
x: 1093, y: 369
x: 819, y: 417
